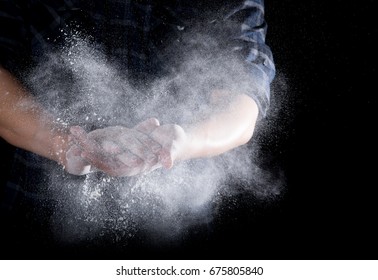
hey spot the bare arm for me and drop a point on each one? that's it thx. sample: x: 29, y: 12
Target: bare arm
x: 24, y: 123
x: 229, y: 123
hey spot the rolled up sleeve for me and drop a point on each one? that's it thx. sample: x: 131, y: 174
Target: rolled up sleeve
x: 249, y: 41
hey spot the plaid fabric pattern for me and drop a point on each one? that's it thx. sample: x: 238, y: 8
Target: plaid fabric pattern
x: 30, y: 28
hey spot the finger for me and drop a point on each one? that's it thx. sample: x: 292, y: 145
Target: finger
x: 111, y: 147
x: 152, y: 168
x: 130, y: 159
x: 111, y: 166
x: 91, y: 149
x: 93, y: 152
x: 74, y: 163
x: 83, y: 140
x: 147, y: 126
x: 137, y: 148
x: 165, y: 158
x: 74, y: 151
x: 149, y: 143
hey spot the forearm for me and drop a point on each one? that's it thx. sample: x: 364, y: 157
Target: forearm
x: 227, y: 126
x: 24, y: 123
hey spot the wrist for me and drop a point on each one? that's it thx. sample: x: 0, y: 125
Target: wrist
x: 195, y: 143
x: 60, y: 146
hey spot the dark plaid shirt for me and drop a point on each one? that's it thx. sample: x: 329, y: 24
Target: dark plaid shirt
x: 28, y: 29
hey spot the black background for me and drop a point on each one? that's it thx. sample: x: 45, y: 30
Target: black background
x: 324, y: 144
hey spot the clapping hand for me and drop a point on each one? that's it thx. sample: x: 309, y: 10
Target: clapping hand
x: 117, y: 150
x: 121, y: 151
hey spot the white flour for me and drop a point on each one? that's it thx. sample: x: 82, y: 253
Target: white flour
x: 93, y: 92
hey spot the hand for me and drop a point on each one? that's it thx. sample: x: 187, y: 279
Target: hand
x: 174, y: 141
x: 68, y: 154
x: 120, y: 151
x: 74, y: 163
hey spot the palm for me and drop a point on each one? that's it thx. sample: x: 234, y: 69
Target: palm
x: 173, y: 140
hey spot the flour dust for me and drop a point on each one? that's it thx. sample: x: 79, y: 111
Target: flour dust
x: 81, y: 87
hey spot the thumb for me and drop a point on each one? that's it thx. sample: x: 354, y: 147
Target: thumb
x: 81, y: 138
x: 147, y: 126
x: 166, y: 159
